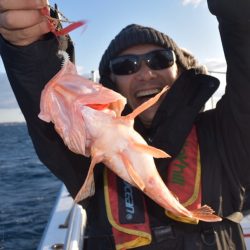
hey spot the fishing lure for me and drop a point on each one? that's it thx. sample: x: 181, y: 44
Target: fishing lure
x: 55, y: 23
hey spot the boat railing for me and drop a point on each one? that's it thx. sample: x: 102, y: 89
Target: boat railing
x: 66, y: 225
x: 76, y: 228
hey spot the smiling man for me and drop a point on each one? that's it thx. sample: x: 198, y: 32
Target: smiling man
x: 141, y: 72
x: 143, y: 61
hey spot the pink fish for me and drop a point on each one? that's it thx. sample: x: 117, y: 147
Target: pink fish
x: 88, y: 118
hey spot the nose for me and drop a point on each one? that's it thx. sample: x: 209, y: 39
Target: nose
x: 145, y: 73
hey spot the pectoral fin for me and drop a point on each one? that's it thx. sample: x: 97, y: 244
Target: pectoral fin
x: 132, y: 173
x: 155, y: 152
x: 88, y: 188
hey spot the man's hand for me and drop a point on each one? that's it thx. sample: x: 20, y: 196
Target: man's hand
x: 21, y: 21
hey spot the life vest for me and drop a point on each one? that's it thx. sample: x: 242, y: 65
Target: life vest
x: 130, y: 225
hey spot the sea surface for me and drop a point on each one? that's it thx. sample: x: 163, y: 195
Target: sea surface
x: 27, y: 190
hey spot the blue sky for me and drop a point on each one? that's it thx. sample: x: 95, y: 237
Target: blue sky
x: 188, y: 22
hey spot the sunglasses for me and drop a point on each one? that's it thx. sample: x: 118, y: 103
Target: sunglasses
x: 130, y: 64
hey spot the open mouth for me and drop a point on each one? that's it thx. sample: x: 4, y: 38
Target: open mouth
x: 146, y: 94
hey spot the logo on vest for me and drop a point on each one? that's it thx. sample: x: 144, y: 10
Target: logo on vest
x: 129, y: 201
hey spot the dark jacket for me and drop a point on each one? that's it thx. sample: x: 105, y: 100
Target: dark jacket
x: 223, y: 135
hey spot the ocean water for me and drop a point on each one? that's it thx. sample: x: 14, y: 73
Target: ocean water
x: 27, y: 190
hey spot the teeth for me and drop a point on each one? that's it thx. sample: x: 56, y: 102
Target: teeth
x: 144, y: 93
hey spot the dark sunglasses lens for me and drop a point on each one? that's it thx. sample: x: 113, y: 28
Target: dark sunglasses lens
x: 161, y: 59
x: 124, y: 65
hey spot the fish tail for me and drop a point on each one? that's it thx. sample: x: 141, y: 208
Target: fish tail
x: 205, y: 213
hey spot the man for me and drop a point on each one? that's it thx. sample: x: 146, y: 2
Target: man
x: 138, y: 63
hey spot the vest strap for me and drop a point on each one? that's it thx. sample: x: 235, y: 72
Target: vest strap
x: 126, y: 236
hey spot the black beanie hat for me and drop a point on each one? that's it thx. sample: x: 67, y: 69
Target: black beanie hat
x: 134, y: 35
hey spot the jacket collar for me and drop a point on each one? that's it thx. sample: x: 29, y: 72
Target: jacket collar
x: 178, y: 111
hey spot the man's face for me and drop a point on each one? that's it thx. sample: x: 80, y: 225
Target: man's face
x: 145, y: 83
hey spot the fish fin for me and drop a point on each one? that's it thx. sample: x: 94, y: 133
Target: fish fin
x: 183, y: 219
x: 88, y: 188
x: 146, y: 105
x: 132, y: 173
x: 205, y: 213
x: 155, y: 152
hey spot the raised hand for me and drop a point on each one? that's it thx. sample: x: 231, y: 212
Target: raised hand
x: 22, y: 22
